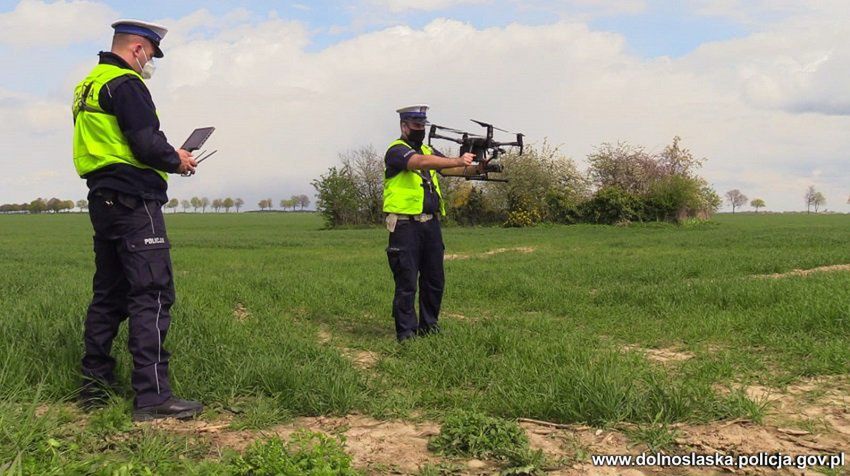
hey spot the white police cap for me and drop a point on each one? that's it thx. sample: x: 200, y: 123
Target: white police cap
x: 152, y: 31
x: 416, y: 113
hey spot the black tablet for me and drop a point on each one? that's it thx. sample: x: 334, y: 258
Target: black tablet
x: 197, y: 138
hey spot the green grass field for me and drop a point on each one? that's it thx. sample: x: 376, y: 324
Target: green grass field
x: 553, y: 325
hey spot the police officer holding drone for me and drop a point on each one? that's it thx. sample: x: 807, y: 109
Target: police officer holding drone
x: 414, y: 203
x: 125, y: 158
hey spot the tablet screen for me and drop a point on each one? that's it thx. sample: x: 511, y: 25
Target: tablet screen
x: 197, y: 138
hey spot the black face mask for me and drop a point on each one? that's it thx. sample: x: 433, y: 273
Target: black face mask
x: 416, y: 137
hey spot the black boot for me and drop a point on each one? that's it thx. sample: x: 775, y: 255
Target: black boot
x: 96, y: 394
x: 426, y: 331
x: 171, y: 408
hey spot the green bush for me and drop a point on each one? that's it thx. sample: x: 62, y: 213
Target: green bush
x: 307, y: 453
x: 337, y: 197
x: 562, y: 208
x: 673, y: 198
x: 473, y: 434
x: 522, y: 218
x: 469, y: 206
x: 611, y: 205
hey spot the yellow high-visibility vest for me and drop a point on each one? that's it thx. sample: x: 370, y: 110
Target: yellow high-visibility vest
x: 403, y: 193
x: 98, y: 140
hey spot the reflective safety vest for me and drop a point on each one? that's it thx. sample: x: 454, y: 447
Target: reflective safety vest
x: 404, y: 193
x: 98, y: 140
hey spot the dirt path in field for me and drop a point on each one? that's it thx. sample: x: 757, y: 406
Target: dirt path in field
x: 401, y: 447
x: 487, y: 254
x: 805, y: 272
x: 810, y: 417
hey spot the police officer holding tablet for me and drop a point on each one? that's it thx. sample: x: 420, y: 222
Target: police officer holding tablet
x: 125, y: 158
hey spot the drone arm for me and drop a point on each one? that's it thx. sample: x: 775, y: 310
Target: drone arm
x: 456, y: 140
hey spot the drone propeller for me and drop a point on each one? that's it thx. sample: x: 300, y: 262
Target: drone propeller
x: 455, y: 131
x: 484, y: 124
x: 442, y: 128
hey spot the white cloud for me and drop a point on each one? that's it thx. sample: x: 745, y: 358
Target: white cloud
x: 284, y: 111
x: 38, y: 23
x: 607, y: 7
x: 422, y: 5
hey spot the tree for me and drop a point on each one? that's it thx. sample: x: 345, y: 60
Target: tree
x: 82, y: 204
x: 216, y: 204
x: 814, y: 199
x: 262, y: 204
x: 289, y: 203
x: 631, y: 169
x: 269, y: 203
x: 205, y: 202
x: 366, y: 167
x: 337, y: 197
x: 809, y: 197
x: 539, y: 177
x: 818, y: 201
x: 54, y: 205
x: 735, y: 198
x: 304, y: 201
x: 196, y: 204
x: 227, y: 203
x: 172, y: 204
x: 238, y: 204
x: 757, y: 203
x: 678, y: 161
x: 37, y: 206
x: 68, y: 205
x: 185, y: 204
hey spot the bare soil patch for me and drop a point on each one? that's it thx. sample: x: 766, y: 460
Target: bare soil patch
x: 401, y: 447
x: 395, y: 446
x: 811, y: 416
x: 662, y: 356
x: 805, y: 272
x: 362, y: 359
x: 240, y: 312
x: 486, y: 254
x: 458, y: 316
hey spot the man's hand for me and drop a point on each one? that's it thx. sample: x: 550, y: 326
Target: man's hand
x: 187, y: 162
x: 465, y: 159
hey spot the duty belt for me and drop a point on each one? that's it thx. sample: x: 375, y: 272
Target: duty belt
x: 422, y: 217
x: 112, y: 196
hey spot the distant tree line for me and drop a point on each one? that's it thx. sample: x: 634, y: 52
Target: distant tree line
x: 299, y: 201
x: 202, y: 203
x: 226, y: 204
x: 40, y: 205
x: 814, y: 200
x: 622, y: 184
x: 55, y: 205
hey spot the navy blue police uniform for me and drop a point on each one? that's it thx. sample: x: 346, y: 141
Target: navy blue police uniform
x: 133, y: 276
x: 415, y: 255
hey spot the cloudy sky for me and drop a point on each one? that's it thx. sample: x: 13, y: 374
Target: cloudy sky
x: 760, y: 88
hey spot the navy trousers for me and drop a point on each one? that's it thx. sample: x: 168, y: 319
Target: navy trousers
x: 133, y: 278
x: 415, y: 253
